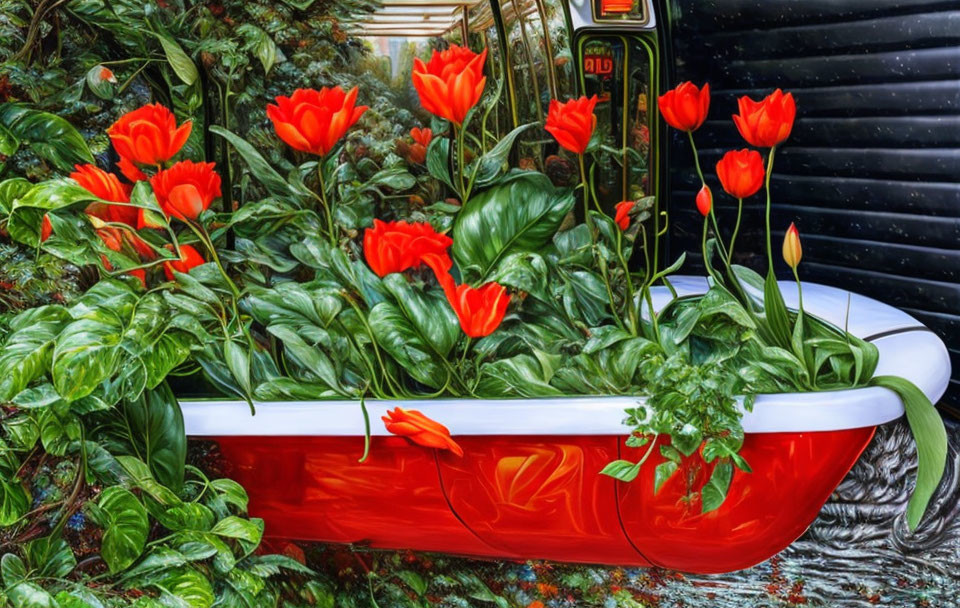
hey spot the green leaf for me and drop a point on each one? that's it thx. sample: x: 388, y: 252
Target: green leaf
x: 39, y: 396
x: 715, y: 491
x: 231, y: 492
x: 156, y: 429
x: 125, y: 533
x: 247, y: 532
x: 260, y: 168
x: 11, y: 190
x: 492, y: 162
x: 13, y: 569
x: 50, y: 557
x: 438, y: 161
x: 9, y: 144
x: 662, y: 473
x: 429, y: 312
x: 238, y: 362
x: 181, y: 63
x: 931, y: 438
x: 775, y: 312
x: 520, y: 213
x: 29, y: 208
x: 48, y: 135
x: 29, y: 595
x: 189, y: 585
x: 519, y: 376
x: 311, y: 358
x: 400, y: 337
x: 28, y: 352
x: 86, y: 354
x: 624, y: 470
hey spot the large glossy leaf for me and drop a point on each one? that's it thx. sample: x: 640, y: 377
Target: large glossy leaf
x: 157, y: 434
x: 519, y: 376
x: 50, y: 136
x: 125, y: 528
x: 429, y: 312
x: 27, y: 211
x: 14, y: 501
x: 400, y: 337
x: 260, y: 168
x: 493, y: 161
x: 50, y: 557
x: 30, y: 595
x: 521, y: 213
x: 931, y: 439
x: 27, y: 354
x: 189, y: 586
x: 295, y: 303
x: 86, y: 354
x: 181, y: 63
x: 11, y: 190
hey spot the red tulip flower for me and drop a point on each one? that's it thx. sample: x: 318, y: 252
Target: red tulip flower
x: 622, y: 217
x: 419, y: 429
x: 451, y: 83
x: 314, y: 121
x: 704, y: 200
x: 130, y: 170
x: 396, y: 246
x: 741, y: 172
x: 479, y: 310
x: 572, y: 123
x: 685, y: 107
x: 766, y: 123
x: 792, y: 251
x: 148, y: 135
x: 105, y: 185
x: 186, y: 189
x: 46, y: 228
x: 422, y: 136
x: 189, y: 258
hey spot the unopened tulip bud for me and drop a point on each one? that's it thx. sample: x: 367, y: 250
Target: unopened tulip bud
x: 704, y: 200
x: 792, y: 251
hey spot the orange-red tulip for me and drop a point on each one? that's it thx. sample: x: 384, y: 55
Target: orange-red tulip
x: 149, y: 135
x: 186, y: 189
x: 480, y: 310
x: 189, y: 258
x: 704, y: 200
x: 396, y: 246
x: 766, y: 123
x: 419, y: 429
x: 46, y: 228
x: 685, y: 107
x: 314, y: 121
x: 451, y: 83
x: 105, y: 185
x: 130, y: 170
x: 741, y: 172
x: 422, y: 136
x: 622, y: 217
x: 792, y: 251
x: 572, y: 123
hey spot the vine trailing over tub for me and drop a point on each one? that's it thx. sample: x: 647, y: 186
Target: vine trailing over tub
x: 506, y: 289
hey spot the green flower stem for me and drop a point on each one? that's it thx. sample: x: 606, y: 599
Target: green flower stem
x: 602, y: 263
x: 458, y: 131
x: 736, y: 230
x: 208, y: 245
x: 767, y: 186
x: 331, y: 231
x: 466, y: 349
x: 373, y: 341
x: 631, y: 309
x: 584, y: 181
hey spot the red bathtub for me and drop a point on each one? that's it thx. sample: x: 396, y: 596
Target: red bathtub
x: 528, y: 486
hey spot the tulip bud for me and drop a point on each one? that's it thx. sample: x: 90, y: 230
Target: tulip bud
x: 792, y: 251
x: 704, y: 200
x: 97, y: 222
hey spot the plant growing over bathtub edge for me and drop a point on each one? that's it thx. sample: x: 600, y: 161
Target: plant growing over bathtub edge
x: 500, y: 293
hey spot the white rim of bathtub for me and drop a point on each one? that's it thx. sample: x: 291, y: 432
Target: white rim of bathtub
x: 907, y: 349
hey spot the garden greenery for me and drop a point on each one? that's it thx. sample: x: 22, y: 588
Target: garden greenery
x: 355, y: 276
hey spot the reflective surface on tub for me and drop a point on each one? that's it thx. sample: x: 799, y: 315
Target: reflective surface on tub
x: 793, y: 475
x: 540, y: 497
x: 314, y: 488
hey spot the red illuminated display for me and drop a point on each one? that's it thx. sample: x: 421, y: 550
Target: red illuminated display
x: 598, y: 64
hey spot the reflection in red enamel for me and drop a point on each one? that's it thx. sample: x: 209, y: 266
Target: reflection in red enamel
x: 313, y: 488
x: 539, y: 497
x: 766, y: 510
